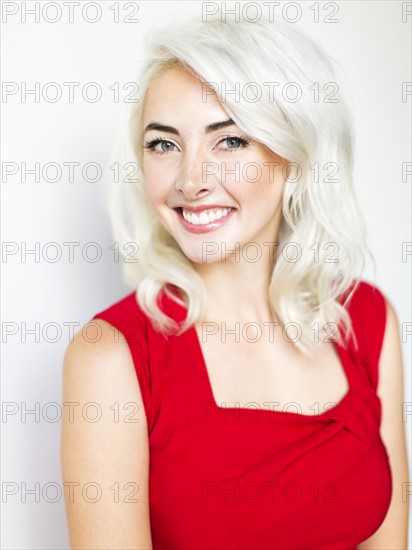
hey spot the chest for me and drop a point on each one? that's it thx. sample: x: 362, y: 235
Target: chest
x: 272, y: 375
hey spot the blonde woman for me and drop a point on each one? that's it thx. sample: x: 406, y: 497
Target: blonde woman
x: 251, y: 383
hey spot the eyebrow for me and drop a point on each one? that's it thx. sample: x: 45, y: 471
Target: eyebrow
x: 208, y: 129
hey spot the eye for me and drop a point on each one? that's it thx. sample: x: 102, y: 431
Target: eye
x: 165, y: 145
x: 235, y: 142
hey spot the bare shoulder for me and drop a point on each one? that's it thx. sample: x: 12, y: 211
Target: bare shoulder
x: 104, y: 443
x: 100, y: 366
x: 101, y: 355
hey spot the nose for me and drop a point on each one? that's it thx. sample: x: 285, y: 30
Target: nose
x: 192, y: 181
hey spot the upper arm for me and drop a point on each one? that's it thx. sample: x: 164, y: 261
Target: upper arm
x: 392, y: 534
x: 104, y: 443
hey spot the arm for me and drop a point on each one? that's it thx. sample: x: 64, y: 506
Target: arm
x: 392, y: 534
x: 105, y: 452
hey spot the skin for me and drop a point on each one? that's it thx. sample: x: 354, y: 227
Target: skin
x: 106, y: 452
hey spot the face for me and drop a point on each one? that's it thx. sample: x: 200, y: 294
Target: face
x: 214, y: 188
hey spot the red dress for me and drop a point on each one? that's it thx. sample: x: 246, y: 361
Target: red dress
x: 255, y: 479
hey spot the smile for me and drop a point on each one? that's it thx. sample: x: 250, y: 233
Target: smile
x: 204, y: 221
x: 205, y: 217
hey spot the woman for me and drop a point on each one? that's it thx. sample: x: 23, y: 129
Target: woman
x: 249, y: 391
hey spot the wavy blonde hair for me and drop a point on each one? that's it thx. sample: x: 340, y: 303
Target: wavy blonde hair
x: 313, y: 133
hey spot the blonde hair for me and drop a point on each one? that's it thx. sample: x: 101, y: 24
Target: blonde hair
x: 313, y: 133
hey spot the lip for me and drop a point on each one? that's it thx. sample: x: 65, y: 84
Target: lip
x: 207, y: 227
x: 201, y: 207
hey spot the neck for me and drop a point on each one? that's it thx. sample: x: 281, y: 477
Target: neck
x: 237, y: 288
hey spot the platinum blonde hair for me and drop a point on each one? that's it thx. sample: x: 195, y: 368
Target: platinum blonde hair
x: 272, y: 64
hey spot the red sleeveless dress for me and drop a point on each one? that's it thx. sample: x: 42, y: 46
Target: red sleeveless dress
x: 254, y: 479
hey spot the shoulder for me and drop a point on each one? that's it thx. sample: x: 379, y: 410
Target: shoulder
x: 98, y: 358
x: 367, y: 306
x: 103, y: 370
x: 126, y: 322
x: 365, y: 296
x: 104, y: 348
x: 380, y: 329
x: 116, y: 342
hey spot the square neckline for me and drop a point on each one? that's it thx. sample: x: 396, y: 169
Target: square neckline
x: 314, y: 417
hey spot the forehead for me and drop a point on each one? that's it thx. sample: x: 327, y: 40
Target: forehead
x: 177, y: 94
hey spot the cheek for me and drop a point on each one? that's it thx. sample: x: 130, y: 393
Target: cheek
x: 265, y: 171
x: 264, y: 197
x: 273, y: 180
x: 155, y: 184
x: 264, y: 185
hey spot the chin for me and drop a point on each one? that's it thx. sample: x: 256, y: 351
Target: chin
x: 199, y: 257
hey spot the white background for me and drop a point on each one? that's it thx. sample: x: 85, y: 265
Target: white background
x: 370, y: 42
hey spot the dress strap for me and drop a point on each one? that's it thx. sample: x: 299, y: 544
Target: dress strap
x: 367, y: 309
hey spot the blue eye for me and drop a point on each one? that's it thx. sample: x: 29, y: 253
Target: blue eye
x: 232, y: 141
x: 235, y: 142
x: 166, y: 145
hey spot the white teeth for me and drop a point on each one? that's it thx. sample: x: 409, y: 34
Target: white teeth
x: 205, y: 217
x: 212, y: 216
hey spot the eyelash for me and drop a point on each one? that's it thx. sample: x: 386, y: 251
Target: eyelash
x: 149, y: 145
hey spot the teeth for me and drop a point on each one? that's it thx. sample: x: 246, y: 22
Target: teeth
x: 205, y: 217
